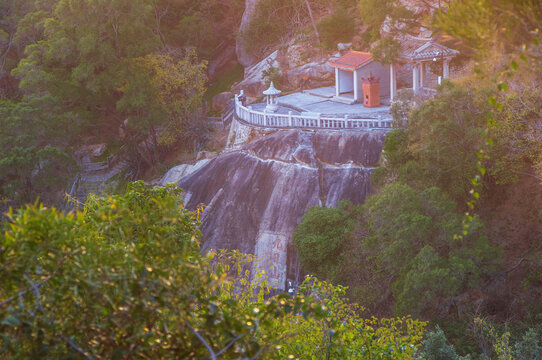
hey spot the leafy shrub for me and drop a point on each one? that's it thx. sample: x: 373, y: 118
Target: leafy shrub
x: 346, y: 334
x: 436, y: 347
x: 529, y: 347
x: 273, y: 74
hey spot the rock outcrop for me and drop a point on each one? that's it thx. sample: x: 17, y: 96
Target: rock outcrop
x: 296, y: 71
x: 256, y: 195
x: 254, y: 83
x: 244, y: 57
x: 222, y: 101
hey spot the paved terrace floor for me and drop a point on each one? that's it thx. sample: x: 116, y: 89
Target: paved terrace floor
x: 319, y: 101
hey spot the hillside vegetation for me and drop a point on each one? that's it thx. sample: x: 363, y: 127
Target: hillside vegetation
x: 443, y: 261
x: 443, y: 235
x: 128, y: 72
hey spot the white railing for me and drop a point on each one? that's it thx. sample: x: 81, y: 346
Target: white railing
x: 316, y: 121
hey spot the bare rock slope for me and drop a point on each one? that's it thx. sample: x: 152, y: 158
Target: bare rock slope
x: 256, y: 196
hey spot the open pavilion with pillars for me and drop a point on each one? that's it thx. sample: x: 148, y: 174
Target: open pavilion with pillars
x: 418, y: 52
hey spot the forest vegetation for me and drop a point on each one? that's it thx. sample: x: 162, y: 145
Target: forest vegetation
x: 443, y: 261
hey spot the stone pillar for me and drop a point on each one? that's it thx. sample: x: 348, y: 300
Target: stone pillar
x: 415, y: 79
x: 393, y: 82
x: 337, y: 82
x: 446, y: 69
x: 356, y: 86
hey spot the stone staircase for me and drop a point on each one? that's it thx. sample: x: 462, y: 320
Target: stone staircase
x: 93, y: 178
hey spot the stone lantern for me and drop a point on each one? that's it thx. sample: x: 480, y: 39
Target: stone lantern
x: 271, y: 95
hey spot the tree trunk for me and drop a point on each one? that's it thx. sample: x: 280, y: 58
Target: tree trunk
x: 312, y: 20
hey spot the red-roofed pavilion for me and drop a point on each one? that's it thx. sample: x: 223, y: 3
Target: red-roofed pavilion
x: 350, y: 69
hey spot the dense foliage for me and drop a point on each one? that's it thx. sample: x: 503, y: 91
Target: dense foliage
x: 122, y: 72
x: 124, y: 278
x: 439, y: 147
x: 405, y: 246
x: 321, y: 240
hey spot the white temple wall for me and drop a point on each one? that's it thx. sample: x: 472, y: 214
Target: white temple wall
x: 346, y: 81
x: 378, y: 71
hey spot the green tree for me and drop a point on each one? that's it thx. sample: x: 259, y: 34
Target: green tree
x: 124, y: 278
x: 399, y: 249
x: 375, y: 13
x: 80, y: 59
x: 161, y: 92
x: 32, y: 156
x: 337, y: 27
x: 321, y: 240
x: 413, y: 247
x: 440, y: 145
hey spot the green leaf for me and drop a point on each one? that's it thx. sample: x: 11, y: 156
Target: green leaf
x: 11, y: 321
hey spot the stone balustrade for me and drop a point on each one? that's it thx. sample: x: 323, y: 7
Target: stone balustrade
x: 316, y: 121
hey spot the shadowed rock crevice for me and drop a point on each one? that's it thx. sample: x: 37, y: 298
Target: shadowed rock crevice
x: 261, y: 192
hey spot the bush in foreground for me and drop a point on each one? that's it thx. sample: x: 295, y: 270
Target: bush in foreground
x: 124, y: 278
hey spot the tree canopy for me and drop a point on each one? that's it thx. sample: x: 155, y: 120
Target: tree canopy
x: 124, y: 278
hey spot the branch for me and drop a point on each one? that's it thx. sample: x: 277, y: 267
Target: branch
x: 36, y: 291
x: 229, y: 345
x: 515, y: 266
x: 200, y: 338
x: 40, y: 284
x: 24, y: 292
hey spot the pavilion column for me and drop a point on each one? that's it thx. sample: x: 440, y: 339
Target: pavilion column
x: 446, y: 69
x: 393, y: 82
x: 415, y: 78
x: 356, y: 86
x: 422, y: 74
x: 337, y: 82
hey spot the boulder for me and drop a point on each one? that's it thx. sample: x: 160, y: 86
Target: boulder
x: 254, y: 83
x: 175, y: 174
x: 258, y: 194
x: 342, y: 47
x: 311, y: 75
x: 206, y: 155
x: 220, y: 101
x: 88, y: 153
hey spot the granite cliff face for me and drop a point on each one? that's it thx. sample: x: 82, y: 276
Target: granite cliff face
x: 256, y: 195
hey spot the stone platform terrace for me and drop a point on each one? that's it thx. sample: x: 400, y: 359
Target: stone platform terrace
x: 320, y: 101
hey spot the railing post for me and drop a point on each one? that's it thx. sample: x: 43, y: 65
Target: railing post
x: 265, y: 118
x: 289, y: 118
x: 379, y: 121
x: 249, y: 120
x: 346, y: 121
x: 318, y: 119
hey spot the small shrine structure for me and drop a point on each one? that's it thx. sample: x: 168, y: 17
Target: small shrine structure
x: 417, y: 52
x: 350, y: 69
x: 271, y: 98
